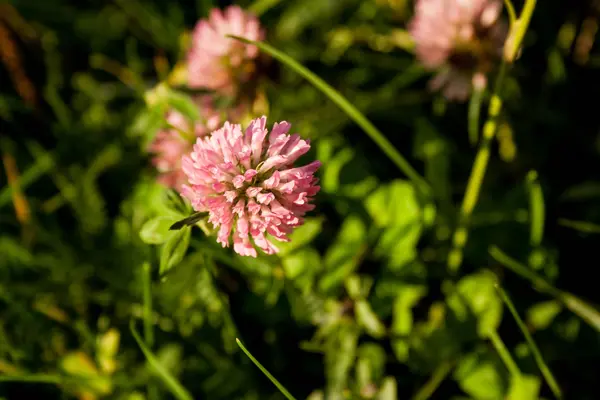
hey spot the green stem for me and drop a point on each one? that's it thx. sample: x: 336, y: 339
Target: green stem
x: 504, y: 354
x: 512, y: 16
x: 579, y: 307
x: 147, y: 315
x: 459, y: 239
x: 474, y: 111
x: 546, y: 373
x: 518, y: 30
x: 34, y: 378
x: 379, y: 138
x: 275, y: 382
x: 42, y: 165
x: 438, y: 376
x: 582, y: 226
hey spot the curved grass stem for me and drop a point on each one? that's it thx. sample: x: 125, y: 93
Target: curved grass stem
x: 275, y: 382
x: 577, y: 306
x: 379, y: 138
x: 537, y: 355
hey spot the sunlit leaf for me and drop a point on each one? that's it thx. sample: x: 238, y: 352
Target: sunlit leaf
x: 174, y: 250
x: 156, y: 230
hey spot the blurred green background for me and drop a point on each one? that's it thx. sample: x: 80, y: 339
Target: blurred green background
x: 360, y: 304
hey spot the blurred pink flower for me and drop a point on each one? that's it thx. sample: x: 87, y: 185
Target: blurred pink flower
x: 248, y: 184
x: 464, y: 36
x: 170, y: 144
x: 217, y: 62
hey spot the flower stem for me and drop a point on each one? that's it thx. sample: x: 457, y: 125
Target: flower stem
x: 478, y: 171
x: 513, y: 43
x: 474, y: 111
x: 512, y: 17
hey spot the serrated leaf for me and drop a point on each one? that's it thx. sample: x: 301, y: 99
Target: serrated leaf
x: 174, y: 250
x: 156, y: 230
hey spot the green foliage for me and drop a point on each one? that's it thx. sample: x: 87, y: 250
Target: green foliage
x: 360, y: 303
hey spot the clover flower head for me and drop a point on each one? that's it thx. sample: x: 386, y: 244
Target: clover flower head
x: 220, y: 63
x: 248, y: 184
x: 463, y: 38
x: 170, y: 144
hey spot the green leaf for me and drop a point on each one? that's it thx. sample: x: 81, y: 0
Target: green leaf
x: 476, y: 297
x: 524, y: 387
x: 156, y: 230
x: 340, y: 356
x: 395, y: 209
x: 300, y: 264
x: 433, y: 342
x: 368, y: 319
x: 174, y: 250
x: 479, y: 375
x: 343, y: 255
x: 373, y: 358
x: 184, y: 104
x: 147, y: 123
x: 388, y: 390
x: 541, y: 315
x: 301, y: 236
x: 402, y: 323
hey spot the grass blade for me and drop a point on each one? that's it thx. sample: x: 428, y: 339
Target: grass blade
x: 174, y: 386
x: 348, y: 108
x: 534, y: 349
x: 504, y: 354
x: 579, y: 307
x: 279, y: 386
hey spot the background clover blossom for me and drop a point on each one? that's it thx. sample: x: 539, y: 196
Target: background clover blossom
x: 248, y: 184
x: 170, y: 144
x: 220, y: 63
x: 462, y: 37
